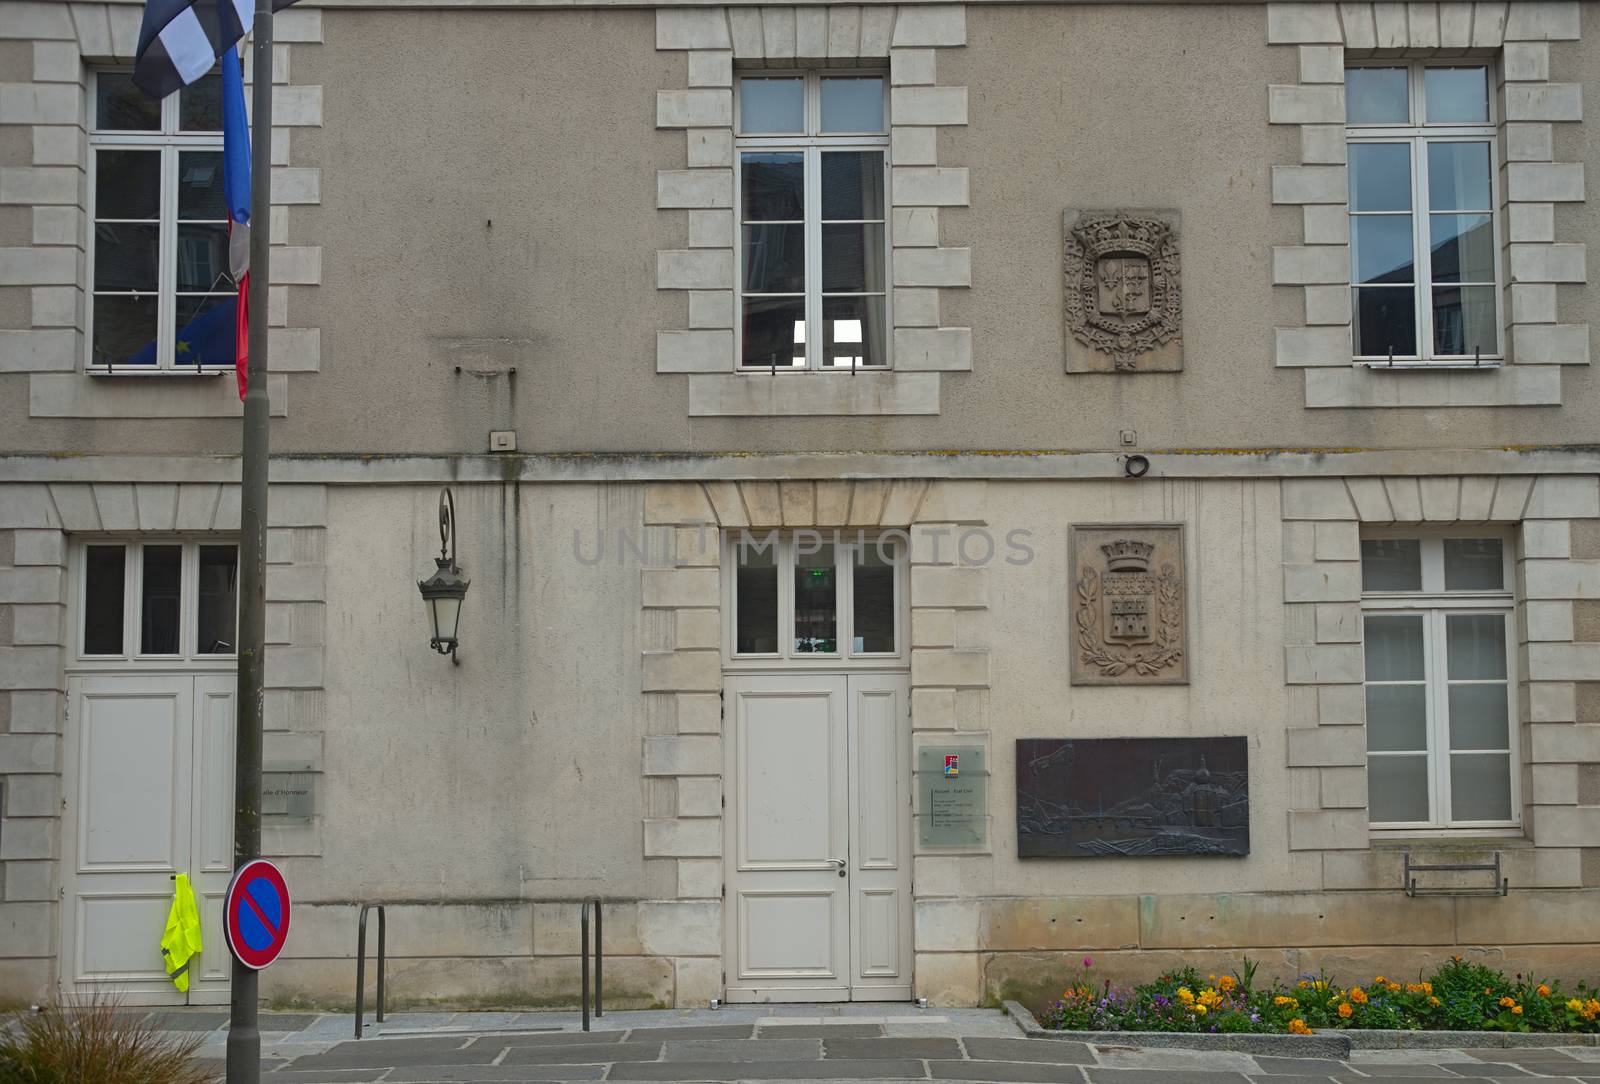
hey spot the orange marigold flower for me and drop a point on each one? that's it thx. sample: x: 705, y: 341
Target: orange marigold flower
x: 1358, y: 995
x: 1226, y: 983
x: 1516, y: 1010
x: 1282, y: 1000
x: 1393, y: 987
x: 1379, y: 980
x: 1507, y: 1002
x: 1427, y: 987
x: 1434, y: 1001
x: 1543, y: 991
x: 1346, y: 1010
x: 1297, y: 1026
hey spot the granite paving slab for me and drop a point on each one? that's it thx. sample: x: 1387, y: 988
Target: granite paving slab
x: 743, y: 1050
x: 1481, y: 1069
x: 1042, y: 1072
x: 735, y: 1031
x: 379, y: 1059
x: 1414, y: 1070
x: 772, y: 1070
x: 1162, y: 1076
x: 186, y: 1021
x: 1057, y: 1050
x: 819, y: 1031
x: 326, y: 1076
x: 1317, y: 1067
x: 1273, y: 1078
x: 447, y: 1074
x: 580, y: 1054
x: 550, y: 1038
x: 890, y: 1048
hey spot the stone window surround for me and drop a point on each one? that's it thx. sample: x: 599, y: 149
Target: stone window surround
x: 1531, y: 183
x: 1322, y: 520
x: 42, y: 520
x: 718, y: 40
x: 67, y: 41
x: 681, y: 630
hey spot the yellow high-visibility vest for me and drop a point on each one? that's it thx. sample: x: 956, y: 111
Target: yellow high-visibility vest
x: 181, y: 941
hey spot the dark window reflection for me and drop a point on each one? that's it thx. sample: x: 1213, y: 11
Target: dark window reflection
x: 105, y: 574
x: 1385, y: 321
x: 158, y: 622
x: 217, y: 599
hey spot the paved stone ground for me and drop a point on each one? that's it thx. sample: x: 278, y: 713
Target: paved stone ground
x: 811, y: 1043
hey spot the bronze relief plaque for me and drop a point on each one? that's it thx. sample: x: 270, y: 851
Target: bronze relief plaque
x: 1128, y: 604
x: 1123, y: 291
x: 1132, y: 797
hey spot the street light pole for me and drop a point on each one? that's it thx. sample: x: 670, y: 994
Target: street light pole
x: 244, y: 1036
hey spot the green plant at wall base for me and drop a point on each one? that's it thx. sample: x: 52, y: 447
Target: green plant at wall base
x: 1458, y: 996
x: 95, y: 1040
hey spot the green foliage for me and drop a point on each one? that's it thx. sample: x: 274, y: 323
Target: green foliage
x: 1459, y: 996
x: 95, y: 1041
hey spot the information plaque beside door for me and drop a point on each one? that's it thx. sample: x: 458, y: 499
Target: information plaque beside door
x: 952, y: 796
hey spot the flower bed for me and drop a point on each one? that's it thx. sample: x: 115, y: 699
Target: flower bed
x: 1459, y: 996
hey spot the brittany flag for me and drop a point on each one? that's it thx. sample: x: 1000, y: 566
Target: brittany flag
x: 180, y: 41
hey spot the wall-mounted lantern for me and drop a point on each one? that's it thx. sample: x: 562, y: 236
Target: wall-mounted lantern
x: 445, y: 589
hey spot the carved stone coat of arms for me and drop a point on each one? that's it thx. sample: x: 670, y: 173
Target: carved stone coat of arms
x: 1123, y: 291
x: 1128, y: 605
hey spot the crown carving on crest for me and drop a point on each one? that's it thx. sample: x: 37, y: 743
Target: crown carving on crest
x: 1109, y: 235
x: 1128, y: 555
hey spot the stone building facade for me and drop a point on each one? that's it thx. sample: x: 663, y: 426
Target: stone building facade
x: 865, y: 325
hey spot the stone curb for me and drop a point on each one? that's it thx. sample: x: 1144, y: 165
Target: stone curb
x: 1330, y: 1042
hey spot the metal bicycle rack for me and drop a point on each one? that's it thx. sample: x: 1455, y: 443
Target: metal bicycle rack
x: 361, y: 963
x: 599, y: 956
x: 1499, y: 886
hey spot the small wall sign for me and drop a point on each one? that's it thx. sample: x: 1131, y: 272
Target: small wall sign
x: 952, y: 796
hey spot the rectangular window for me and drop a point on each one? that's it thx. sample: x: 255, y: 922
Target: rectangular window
x: 158, y: 600
x: 813, y: 237
x: 1424, y: 256
x: 163, y: 298
x: 1438, y: 637
x: 816, y: 595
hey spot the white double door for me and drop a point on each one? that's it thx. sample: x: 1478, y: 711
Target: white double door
x: 149, y: 795
x: 818, y: 848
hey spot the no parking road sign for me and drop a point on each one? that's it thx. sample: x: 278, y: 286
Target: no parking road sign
x: 256, y: 914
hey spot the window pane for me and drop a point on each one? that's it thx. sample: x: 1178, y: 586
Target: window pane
x: 1380, y: 248
x: 772, y: 105
x: 1458, y: 177
x: 203, y: 256
x: 127, y: 184
x: 774, y: 187
x: 120, y: 106
x: 1464, y: 321
x: 104, y: 576
x: 200, y: 193
x: 124, y: 330
x: 852, y: 332
x: 757, y: 602
x: 816, y: 599
x: 774, y: 332
x: 852, y: 258
x: 207, y: 332
x: 1480, y: 787
x: 1385, y: 321
x: 874, y: 610
x: 127, y: 255
x: 200, y: 104
x: 1391, y: 564
x: 1456, y: 95
x: 1474, y: 564
x: 852, y: 185
x: 1394, y: 647
x: 774, y: 259
x: 852, y: 103
x: 1397, y: 789
x: 218, y: 600
x: 1397, y: 718
x: 1479, y: 717
x: 1476, y: 646
x: 1380, y: 176
x: 158, y: 619
x: 1463, y: 248
x: 1376, y: 96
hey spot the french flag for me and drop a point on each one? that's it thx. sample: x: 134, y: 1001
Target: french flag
x: 236, y: 187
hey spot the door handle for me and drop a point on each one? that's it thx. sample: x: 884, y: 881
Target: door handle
x: 841, y: 863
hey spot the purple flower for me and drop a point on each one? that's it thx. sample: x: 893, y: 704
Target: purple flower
x: 1088, y: 961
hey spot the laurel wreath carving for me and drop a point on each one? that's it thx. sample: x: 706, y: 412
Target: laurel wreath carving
x: 1148, y: 662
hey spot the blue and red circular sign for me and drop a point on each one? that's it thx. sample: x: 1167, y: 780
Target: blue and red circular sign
x: 255, y: 914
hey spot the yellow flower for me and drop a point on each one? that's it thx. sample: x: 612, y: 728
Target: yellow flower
x: 1427, y: 988
x: 1434, y: 1001
x: 1575, y: 1005
x: 1282, y: 1000
x: 1201, y: 1009
x: 1303, y: 984
x: 1358, y: 995
x: 1379, y: 980
x: 1297, y: 1026
x: 1543, y: 991
x: 1211, y: 979
x: 1507, y: 1002
x: 1516, y: 1010
x: 1346, y: 1011
x: 1185, y: 994
x: 1393, y: 987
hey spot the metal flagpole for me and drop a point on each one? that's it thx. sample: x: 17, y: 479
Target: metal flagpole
x: 244, y: 1037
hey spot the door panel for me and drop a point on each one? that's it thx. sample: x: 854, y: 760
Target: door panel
x: 212, y: 831
x: 134, y: 752
x: 880, y: 837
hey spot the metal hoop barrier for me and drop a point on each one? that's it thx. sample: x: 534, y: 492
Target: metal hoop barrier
x: 599, y: 957
x: 361, y: 963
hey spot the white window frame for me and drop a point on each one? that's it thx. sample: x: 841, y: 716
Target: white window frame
x: 812, y: 144
x: 169, y: 141
x: 1417, y: 135
x: 844, y: 559
x: 1433, y: 604
x: 188, y: 656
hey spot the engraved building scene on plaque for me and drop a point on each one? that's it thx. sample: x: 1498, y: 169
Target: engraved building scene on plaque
x: 1128, y: 595
x: 1123, y: 292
